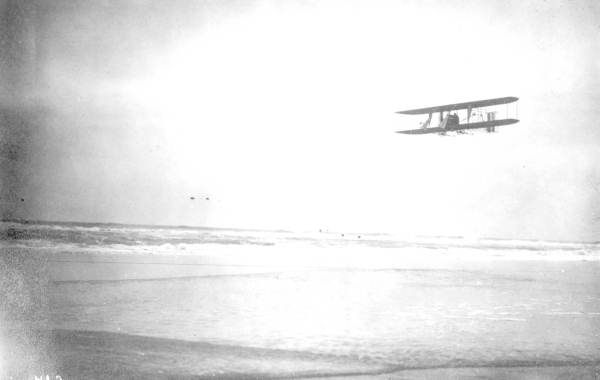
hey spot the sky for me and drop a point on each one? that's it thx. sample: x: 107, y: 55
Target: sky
x: 281, y: 115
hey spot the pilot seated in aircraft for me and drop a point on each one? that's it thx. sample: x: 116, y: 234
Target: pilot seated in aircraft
x: 453, y: 120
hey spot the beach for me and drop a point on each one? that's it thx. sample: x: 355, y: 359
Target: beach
x: 193, y: 304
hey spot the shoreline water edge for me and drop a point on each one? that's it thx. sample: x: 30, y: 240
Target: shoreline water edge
x: 129, y: 302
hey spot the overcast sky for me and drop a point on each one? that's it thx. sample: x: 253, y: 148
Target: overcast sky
x: 282, y: 114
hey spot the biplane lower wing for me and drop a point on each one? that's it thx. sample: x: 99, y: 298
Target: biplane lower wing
x: 460, y: 127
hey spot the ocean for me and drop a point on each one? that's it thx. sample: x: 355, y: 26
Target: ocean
x: 189, y: 302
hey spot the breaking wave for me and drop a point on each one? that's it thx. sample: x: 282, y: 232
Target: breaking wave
x: 117, y: 238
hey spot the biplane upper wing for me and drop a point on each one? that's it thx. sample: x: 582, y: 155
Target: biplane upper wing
x: 460, y: 127
x: 460, y: 106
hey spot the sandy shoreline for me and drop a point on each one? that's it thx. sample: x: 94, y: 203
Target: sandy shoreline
x: 99, y: 355
x: 38, y: 346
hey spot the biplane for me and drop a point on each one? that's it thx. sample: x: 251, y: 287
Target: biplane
x: 479, y: 114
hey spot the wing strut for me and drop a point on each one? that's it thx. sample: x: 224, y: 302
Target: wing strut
x: 427, y: 122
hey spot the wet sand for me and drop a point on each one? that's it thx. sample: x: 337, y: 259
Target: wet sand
x: 95, y: 355
x: 31, y: 346
x: 102, y: 355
